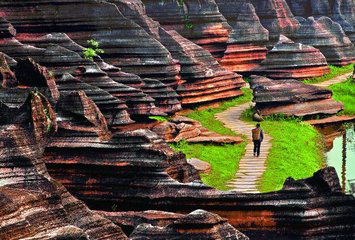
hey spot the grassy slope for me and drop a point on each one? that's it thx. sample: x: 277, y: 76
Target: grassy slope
x: 224, y: 159
x: 296, y: 152
x: 334, y: 72
x: 345, y: 93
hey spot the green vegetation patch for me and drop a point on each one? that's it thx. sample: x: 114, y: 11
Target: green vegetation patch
x: 297, y: 150
x: 93, y: 50
x: 207, y: 117
x: 345, y: 93
x: 334, y: 72
x: 224, y: 160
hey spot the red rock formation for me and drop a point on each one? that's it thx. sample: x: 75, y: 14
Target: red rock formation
x: 328, y: 37
x: 293, y: 60
x: 144, y: 56
x: 292, y: 98
x: 247, y: 41
x: 341, y: 11
x: 206, y: 81
x: 182, y: 128
x: 199, y: 70
x: 276, y: 17
x: 31, y: 74
x: 198, y: 21
x: 34, y: 206
x: 196, y: 225
x: 7, y: 77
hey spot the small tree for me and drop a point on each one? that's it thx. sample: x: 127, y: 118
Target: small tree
x: 93, y: 50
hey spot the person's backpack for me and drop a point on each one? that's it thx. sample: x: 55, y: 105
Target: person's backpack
x: 256, y: 134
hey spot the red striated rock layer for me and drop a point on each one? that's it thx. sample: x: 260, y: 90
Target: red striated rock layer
x: 34, y: 206
x: 62, y: 61
x: 199, y: 70
x: 196, y: 225
x: 247, y: 41
x: 8, y: 77
x: 292, y: 98
x: 340, y: 11
x: 276, y: 16
x: 184, y: 129
x: 328, y: 37
x: 293, y: 60
x: 206, y: 81
x: 196, y: 20
x: 127, y: 46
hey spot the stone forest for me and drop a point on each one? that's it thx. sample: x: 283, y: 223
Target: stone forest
x: 137, y: 119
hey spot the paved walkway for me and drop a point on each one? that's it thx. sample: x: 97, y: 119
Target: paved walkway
x: 251, y: 168
x: 335, y: 80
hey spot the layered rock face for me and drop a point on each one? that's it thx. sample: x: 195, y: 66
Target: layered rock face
x: 292, y: 98
x: 328, y: 37
x: 165, y: 225
x: 206, y: 81
x: 293, y: 60
x: 247, y: 42
x: 182, y: 128
x: 276, y: 16
x: 144, y: 56
x: 206, y: 226
x: 33, y: 205
x: 203, y: 80
x: 198, y: 21
x: 342, y: 12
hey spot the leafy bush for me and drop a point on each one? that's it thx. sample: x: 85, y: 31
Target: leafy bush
x: 93, y: 50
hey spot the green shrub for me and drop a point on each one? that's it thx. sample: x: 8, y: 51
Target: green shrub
x: 93, y: 50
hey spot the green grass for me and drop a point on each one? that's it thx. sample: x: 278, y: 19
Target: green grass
x: 297, y: 150
x: 207, y: 119
x: 224, y: 159
x: 334, y: 72
x: 345, y: 93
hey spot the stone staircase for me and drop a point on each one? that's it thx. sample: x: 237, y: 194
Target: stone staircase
x: 251, y: 168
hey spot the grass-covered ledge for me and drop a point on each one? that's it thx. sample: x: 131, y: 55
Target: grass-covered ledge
x: 224, y: 159
x: 334, y: 72
x: 345, y: 93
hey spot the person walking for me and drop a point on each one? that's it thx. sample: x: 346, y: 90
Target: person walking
x: 258, y: 137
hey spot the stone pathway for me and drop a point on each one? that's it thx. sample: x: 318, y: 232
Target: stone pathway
x: 332, y: 81
x: 251, y: 168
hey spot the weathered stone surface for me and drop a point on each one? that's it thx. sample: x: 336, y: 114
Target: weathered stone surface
x: 200, y: 166
x: 128, y: 221
x: 34, y: 206
x: 143, y: 55
x: 182, y: 128
x: 288, y: 59
x: 61, y: 62
x: 292, y: 98
x: 341, y: 11
x: 276, y: 16
x: 198, y: 21
x: 198, y: 68
x: 247, y: 41
x: 99, y: 74
x: 31, y: 74
x: 8, y: 77
x: 6, y: 29
x: 206, y: 81
x: 196, y: 225
x: 328, y: 37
